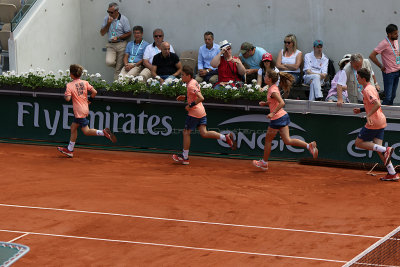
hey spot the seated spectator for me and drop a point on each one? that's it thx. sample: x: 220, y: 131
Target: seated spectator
x: 118, y: 29
x: 251, y: 57
x: 206, y: 53
x: 353, y: 87
x: 315, y: 70
x: 151, y: 51
x: 290, y: 58
x: 133, y: 59
x: 338, y: 91
x: 230, y: 69
x: 267, y: 63
x: 166, y: 64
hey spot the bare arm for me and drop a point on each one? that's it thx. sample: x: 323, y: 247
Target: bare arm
x: 105, y: 29
x: 339, y: 90
x: 93, y: 92
x: 67, y: 98
x: 179, y: 69
x: 147, y: 64
x: 153, y: 70
x: 125, y: 36
x: 374, y: 59
x: 296, y: 65
x: 280, y: 105
x: 377, y: 105
x: 279, y: 64
x: 216, y: 60
x: 240, y: 67
x: 199, y: 98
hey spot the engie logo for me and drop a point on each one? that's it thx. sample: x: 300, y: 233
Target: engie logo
x: 254, y: 138
x: 361, y: 153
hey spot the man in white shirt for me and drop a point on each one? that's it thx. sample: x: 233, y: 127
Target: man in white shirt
x: 315, y: 70
x: 152, y: 50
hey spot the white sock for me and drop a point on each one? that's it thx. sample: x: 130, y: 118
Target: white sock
x: 264, y: 162
x: 390, y: 169
x: 222, y: 137
x: 100, y: 133
x: 71, y: 146
x: 379, y: 148
x: 308, y: 146
x: 185, y: 154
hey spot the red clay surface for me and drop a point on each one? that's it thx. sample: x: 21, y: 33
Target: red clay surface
x: 288, y: 195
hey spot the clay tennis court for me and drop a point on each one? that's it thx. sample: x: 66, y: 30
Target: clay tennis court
x: 110, y: 208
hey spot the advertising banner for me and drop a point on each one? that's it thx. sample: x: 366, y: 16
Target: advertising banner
x: 159, y: 125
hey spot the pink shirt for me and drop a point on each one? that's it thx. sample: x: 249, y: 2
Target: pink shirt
x: 78, y: 89
x: 370, y: 96
x: 197, y: 111
x: 388, y: 58
x: 273, y: 103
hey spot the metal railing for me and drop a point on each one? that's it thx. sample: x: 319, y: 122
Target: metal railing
x: 21, y: 13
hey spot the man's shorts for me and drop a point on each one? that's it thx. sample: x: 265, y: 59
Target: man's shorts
x: 83, y: 122
x: 370, y: 134
x: 281, y: 122
x: 192, y: 123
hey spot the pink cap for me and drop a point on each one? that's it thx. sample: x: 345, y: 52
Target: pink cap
x: 266, y: 56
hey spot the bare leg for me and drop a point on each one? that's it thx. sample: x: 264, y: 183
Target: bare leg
x: 74, y: 132
x: 89, y: 132
x: 186, y: 139
x: 284, y: 131
x: 208, y: 134
x: 271, y: 133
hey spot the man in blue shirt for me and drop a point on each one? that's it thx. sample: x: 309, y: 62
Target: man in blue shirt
x: 118, y: 30
x: 133, y: 59
x: 206, y: 53
x: 251, y: 57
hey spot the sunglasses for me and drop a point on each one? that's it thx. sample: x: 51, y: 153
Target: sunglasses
x: 110, y: 12
x: 287, y: 42
x: 157, y: 36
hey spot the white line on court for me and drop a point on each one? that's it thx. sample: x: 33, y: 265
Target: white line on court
x: 188, y: 221
x: 173, y: 246
x: 15, y: 239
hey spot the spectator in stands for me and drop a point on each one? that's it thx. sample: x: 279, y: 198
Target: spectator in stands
x: 251, y: 57
x: 133, y: 59
x: 230, y: 69
x: 118, y: 29
x: 353, y: 87
x: 206, y: 53
x: 151, y: 51
x: 290, y: 58
x: 267, y: 63
x: 390, y: 66
x: 338, y: 91
x: 315, y: 70
x: 166, y: 64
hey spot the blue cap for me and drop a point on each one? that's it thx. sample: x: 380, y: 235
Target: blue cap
x: 318, y: 42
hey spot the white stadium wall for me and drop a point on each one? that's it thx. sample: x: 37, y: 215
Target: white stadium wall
x: 68, y: 31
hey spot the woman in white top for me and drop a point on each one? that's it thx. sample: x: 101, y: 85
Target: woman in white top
x: 268, y: 64
x: 290, y: 58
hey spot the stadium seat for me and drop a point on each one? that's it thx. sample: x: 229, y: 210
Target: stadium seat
x: 16, y: 3
x: 189, y: 58
x: 7, y: 12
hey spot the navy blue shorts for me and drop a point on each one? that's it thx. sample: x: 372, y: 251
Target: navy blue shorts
x: 370, y: 134
x: 281, y: 122
x: 192, y: 123
x: 83, y: 122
